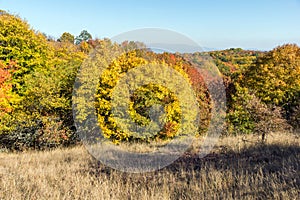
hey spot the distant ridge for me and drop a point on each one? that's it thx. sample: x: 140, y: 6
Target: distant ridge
x: 183, y: 48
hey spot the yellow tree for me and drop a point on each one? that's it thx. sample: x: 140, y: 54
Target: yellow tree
x: 276, y: 76
x: 36, y: 94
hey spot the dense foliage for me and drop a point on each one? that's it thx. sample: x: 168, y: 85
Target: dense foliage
x: 276, y: 79
x: 37, y: 75
x: 147, y: 96
x: 37, y: 78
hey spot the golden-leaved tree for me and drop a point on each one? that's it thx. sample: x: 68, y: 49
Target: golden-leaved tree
x: 37, y: 78
x: 275, y: 78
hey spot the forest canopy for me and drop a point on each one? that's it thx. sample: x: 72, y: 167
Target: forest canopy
x: 37, y: 75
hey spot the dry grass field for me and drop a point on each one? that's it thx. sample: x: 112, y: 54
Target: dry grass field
x: 235, y: 169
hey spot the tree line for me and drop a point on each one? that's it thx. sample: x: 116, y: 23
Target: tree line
x: 37, y: 75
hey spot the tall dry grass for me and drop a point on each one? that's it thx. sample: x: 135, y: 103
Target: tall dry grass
x: 238, y: 168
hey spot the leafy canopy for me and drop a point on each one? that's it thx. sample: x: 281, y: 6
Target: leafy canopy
x: 276, y: 76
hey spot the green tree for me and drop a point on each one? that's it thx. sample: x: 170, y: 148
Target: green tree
x: 49, y: 94
x: 248, y: 114
x: 83, y: 36
x: 67, y: 37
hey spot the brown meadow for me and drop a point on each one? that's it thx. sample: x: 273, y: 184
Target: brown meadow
x: 237, y: 168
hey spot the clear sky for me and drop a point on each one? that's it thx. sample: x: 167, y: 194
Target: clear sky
x: 255, y: 24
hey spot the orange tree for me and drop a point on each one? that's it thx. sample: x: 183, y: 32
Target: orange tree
x: 6, y: 94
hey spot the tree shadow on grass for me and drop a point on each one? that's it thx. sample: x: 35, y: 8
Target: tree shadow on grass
x: 268, y: 168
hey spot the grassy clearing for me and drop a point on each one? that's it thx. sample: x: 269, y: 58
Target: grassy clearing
x: 238, y: 168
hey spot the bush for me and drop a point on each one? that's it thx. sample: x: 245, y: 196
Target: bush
x: 293, y: 113
x: 267, y: 118
x: 47, y: 133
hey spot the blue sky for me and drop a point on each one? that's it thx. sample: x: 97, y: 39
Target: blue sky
x: 255, y: 24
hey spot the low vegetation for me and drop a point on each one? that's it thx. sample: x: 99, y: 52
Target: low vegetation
x: 237, y: 168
